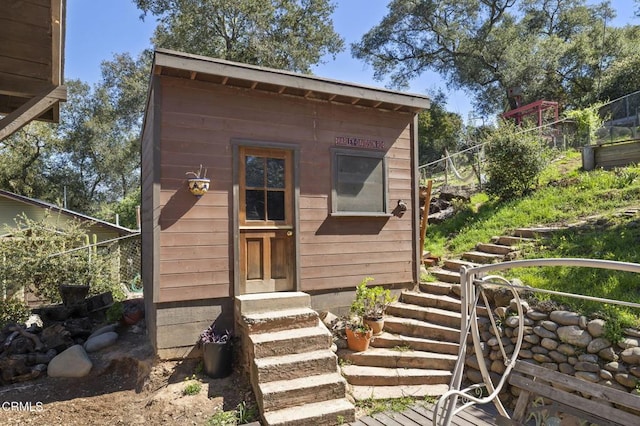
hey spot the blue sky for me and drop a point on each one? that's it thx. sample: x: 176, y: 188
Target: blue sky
x: 97, y: 29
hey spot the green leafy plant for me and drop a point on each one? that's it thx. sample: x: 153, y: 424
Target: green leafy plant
x: 192, y: 386
x: 13, y: 310
x: 245, y: 413
x: 223, y: 418
x: 371, y: 302
x: 115, y: 311
x: 241, y: 415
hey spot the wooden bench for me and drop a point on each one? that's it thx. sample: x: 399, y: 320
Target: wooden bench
x: 592, y: 402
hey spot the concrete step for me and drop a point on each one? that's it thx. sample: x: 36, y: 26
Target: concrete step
x: 456, y: 264
x: 290, y: 341
x: 536, y: 232
x: 361, y: 393
x: 399, y: 342
x: 324, y: 413
x: 264, y: 322
x: 442, y: 301
x: 417, y: 328
x: 247, y: 304
x: 508, y: 240
x: 390, y: 358
x: 446, y: 275
x: 358, y: 375
x: 494, y: 248
x: 294, y: 366
x: 436, y: 287
x: 427, y: 314
x: 482, y: 257
x: 288, y: 393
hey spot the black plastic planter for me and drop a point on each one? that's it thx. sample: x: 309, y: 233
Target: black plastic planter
x: 218, y: 359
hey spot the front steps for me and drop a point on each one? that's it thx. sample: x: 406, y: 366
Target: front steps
x: 287, y: 351
x: 416, y: 353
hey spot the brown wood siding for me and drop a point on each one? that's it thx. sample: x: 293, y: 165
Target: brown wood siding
x: 199, y: 122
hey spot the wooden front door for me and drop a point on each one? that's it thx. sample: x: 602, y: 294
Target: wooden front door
x: 267, y: 252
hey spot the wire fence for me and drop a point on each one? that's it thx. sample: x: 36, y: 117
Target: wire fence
x: 467, y: 167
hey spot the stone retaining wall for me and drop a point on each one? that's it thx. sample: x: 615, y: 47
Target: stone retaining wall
x: 562, y: 341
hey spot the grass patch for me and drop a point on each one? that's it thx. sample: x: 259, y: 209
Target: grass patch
x: 565, y: 195
x: 243, y: 414
x: 192, y: 386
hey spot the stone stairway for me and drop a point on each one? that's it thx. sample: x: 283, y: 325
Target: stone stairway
x: 416, y: 353
x: 293, y: 371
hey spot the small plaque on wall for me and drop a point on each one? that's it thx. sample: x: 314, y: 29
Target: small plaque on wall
x: 359, y: 142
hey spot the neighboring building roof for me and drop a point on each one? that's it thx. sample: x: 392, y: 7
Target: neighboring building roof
x: 219, y: 71
x: 43, y: 204
x: 31, y: 62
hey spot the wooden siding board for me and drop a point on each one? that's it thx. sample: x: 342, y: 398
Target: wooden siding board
x: 198, y: 265
x: 353, y: 279
x: 351, y: 258
x: 183, y: 239
x: 170, y: 253
x: 355, y: 247
x: 194, y: 292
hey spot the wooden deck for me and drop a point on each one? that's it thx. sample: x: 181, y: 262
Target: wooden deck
x: 421, y: 415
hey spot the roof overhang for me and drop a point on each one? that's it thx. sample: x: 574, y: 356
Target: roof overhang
x: 31, y: 62
x: 285, y: 83
x: 121, y: 230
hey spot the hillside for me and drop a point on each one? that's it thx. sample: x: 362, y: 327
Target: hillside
x: 600, y: 207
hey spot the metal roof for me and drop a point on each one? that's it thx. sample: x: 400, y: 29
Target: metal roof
x: 286, y: 83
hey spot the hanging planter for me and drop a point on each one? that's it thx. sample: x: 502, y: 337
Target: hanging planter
x: 198, y: 182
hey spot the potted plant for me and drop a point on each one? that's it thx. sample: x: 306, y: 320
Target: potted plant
x: 358, y: 334
x: 371, y: 303
x: 198, y: 182
x: 217, y: 352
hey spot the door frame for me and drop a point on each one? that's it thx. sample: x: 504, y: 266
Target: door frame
x: 234, y: 230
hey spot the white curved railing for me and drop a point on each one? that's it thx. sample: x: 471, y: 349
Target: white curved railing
x: 470, y: 278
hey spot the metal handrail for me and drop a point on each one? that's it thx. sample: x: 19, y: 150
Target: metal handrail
x: 470, y: 277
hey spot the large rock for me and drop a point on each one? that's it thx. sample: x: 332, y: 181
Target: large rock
x: 73, y: 362
x: 596, y: 327
x: 565, y: 317
x: 574, y: 335
x: 598, y: 344
x: 101, y: 341
x: 631, y: 355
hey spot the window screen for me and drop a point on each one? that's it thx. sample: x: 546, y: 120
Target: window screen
x: 359, y: 183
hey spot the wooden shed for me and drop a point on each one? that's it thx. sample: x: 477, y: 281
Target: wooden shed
x: 313, y: 188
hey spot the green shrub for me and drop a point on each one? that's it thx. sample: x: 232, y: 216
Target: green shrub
x: 40, y: 255
x: 13, y: 310
x: 515, y: 160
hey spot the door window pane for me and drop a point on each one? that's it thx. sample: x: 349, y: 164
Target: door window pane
x: 255, y: 204
x: 275, y: 173
x: 275, y: 205
x: 254, y: 171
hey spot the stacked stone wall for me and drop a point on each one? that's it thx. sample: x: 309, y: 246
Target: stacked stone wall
x: 562, y: 341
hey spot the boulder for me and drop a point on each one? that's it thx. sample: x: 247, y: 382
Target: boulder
x: 73, y: 362
x: 101, y: 341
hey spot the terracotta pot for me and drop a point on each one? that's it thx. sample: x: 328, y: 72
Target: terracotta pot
x: 358, y: 341
x: 376, y: 325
